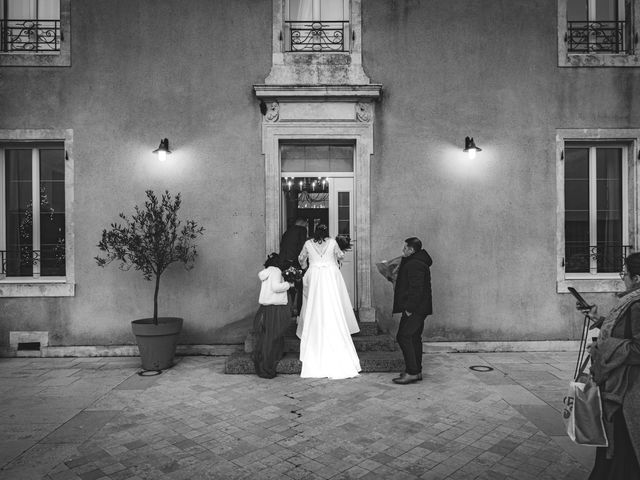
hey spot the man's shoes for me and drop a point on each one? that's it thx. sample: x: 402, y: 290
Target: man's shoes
x: 406, y: 379
x: 404, y: 374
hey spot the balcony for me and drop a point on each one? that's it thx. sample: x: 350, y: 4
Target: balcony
x: 602, y: 258
x: 27, y: 262
x: 30, y: 36
x: 596, y: 37
x: 317, y: 36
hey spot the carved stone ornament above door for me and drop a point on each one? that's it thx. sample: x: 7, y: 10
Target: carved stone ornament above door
x: 273, y: 112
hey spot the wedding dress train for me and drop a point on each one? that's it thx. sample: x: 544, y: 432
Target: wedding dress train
x: 326, y: 319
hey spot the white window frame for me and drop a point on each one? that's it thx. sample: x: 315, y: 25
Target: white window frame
x: 38, y: 286
x: 630, y: 139
x: 61, y: 58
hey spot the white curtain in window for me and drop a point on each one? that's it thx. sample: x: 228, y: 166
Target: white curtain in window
x: 332, y: 10
x: 31, y: 9
x: 329, y: 10
x: 49, y: 9
x: 21, y: 9
x: 300, y: 10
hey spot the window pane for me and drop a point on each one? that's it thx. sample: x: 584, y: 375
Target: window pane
x: 21, y: 9
x: 300, y: 9
x: 606, y: 10
x: 52, y: 213
x: 316, y: 158
x: 609, y: 209
x: 49, y: 9
x: 577, y: 10
x: 19, y: 212
x: 332, y: 10
x: 576, y: 191
x: 344, y: 213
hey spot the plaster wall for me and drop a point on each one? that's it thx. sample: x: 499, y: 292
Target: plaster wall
x: 149, y: 69
x: 489, y: 70
x: 142, y: 71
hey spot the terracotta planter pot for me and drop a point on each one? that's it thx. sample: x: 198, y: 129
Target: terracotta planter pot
x: 157, y: 343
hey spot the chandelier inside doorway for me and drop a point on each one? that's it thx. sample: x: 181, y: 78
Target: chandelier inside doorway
x: 310, y: 192
x: 305, y: 184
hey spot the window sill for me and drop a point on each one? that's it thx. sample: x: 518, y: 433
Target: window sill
x: 599, y: 60
x: 36, y: 59
x: 591, y: 285
x: 330, y: 59
x: 36, y: 288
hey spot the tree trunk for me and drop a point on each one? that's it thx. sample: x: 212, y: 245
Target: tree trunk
x: 155, y: 301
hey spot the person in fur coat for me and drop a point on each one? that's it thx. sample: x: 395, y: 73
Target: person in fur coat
x: 272, y: 319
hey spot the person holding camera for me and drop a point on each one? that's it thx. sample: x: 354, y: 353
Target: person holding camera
x: 615, y: 357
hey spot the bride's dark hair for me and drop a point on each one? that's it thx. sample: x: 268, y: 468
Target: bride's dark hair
x: 320, y: 233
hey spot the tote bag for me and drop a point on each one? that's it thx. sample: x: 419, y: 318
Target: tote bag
x: 582, y: 413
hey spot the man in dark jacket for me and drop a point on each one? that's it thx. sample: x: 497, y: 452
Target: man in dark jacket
x: 412, y: 298
x: 290, y: 247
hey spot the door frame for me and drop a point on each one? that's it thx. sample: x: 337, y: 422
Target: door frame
x: 361, y: 134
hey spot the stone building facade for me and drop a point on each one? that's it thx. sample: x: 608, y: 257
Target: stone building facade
x: 374, y: 98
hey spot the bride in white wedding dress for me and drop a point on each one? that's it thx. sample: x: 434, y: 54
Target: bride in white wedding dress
x: 326, y: 319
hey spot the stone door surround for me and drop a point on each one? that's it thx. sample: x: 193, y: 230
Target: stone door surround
x: 322, y: 113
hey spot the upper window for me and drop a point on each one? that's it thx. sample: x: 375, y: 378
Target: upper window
x: 597, y: 26
x: 34, y: 32
x: 316, y: 26
x: 596, y: 220
x: 598, y: 33
x: 317, y: 42
x: 34, y: 217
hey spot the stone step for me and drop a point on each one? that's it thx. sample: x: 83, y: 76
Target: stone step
x: 241, y: 363
x: 363, y: 343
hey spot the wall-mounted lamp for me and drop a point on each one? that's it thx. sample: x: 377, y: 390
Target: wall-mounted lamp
x: 470, y: 147
x: 163, y: 149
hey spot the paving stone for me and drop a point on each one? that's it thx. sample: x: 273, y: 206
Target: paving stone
x: 80, y: 428
x: 193, y: 421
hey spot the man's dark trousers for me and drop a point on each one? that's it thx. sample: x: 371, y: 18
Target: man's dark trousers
x: 409, y: 338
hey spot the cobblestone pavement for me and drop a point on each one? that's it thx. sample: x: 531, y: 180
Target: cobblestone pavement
x: 94, y: 418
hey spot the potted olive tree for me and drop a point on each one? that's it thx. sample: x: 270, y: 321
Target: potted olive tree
x: 150, y: 240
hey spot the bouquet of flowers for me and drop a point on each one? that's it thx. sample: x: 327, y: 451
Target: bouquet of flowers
x: 344, y: 242
x: 389, y: 268
x: 292, y: 274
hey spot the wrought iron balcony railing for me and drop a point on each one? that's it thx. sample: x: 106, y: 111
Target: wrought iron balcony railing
x: 26, y: 262
x: 596, y: 37
x: 321, y: 36
x: 30, y: 35
x: 582, y: 258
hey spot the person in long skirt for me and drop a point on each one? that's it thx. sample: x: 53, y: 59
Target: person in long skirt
x: 272, y: 319
x: 326, y: 320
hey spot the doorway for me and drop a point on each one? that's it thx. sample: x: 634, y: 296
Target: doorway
x: 317, y: 184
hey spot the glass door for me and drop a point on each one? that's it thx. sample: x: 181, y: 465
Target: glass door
x: 341, y: 222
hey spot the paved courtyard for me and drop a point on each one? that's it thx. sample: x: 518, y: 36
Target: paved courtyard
x: 95, y: 418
